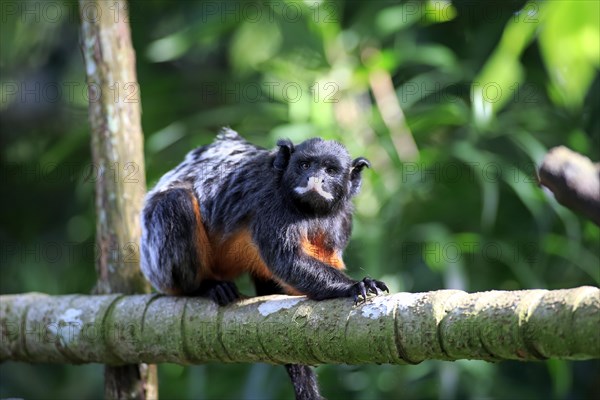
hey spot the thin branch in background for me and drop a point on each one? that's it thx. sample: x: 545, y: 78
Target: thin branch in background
x: 117, y: 147
x: 574, y: 180
x: 392, y: 115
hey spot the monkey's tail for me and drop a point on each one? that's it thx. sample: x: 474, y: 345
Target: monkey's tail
x: 172, y: 237
x: 304, y: 381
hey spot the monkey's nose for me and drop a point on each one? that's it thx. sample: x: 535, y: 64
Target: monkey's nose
x: 315, y: 179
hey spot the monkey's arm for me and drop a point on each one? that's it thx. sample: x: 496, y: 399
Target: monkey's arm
x: 314, y: 278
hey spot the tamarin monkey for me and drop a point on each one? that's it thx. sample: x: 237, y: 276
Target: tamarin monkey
x: 284, y: 216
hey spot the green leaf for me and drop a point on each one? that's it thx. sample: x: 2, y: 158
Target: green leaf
x: 491, y: 89
x: 570, y: 44
x: 253, y: 44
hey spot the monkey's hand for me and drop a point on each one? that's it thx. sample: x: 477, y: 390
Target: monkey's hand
x: 307, y: 274
x: 366, y: 286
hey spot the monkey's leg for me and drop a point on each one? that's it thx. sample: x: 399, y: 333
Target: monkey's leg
x: 176, y: 253
x: 303, y: 377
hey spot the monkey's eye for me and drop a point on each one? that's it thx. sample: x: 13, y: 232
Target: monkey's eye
x: 331, y: 170
x: 305, y: 165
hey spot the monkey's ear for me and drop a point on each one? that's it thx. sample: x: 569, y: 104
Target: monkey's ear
x: 355, y: 174
x: 286, y: 148
x: 357, y: 166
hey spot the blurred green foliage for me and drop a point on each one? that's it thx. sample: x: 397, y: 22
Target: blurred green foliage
x: 486, y: 88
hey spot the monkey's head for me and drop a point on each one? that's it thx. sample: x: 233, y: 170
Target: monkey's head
x: 318, y: 175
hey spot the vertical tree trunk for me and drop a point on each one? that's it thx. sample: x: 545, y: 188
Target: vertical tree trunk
x: 117, y: 147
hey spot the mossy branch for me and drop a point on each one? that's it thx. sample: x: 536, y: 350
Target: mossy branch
x: 397, y: 329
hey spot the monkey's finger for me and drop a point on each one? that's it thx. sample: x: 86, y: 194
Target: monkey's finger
x: 371, y: 287
x: 227, y: 295
x: 382, y: 286
x: 373, y: 283
x: 220, y: 295
x: 363, y: 290
x: 231, y: 291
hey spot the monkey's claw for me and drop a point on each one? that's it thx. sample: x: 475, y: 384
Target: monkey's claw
x: 366, y: 286
x: 221, y: 292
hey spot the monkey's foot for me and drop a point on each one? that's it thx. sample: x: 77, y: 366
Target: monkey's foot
x: 221, y: 292
x: 366, y: 286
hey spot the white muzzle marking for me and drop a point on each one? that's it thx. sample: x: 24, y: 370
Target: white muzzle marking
x: 314, y: 184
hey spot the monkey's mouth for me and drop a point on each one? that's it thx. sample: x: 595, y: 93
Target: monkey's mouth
x: 314, y: 185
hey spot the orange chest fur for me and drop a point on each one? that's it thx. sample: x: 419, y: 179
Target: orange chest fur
x: 238, y: 253
x: 317, y: 247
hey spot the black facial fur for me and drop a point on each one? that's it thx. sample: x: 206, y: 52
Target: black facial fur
x: 325, y: 162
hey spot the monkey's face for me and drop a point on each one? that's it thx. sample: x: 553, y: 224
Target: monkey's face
x: 318, y: 174
x: 318, y: 181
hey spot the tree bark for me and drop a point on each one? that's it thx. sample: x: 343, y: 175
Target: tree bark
x: 403, y: 328
x: 117, y: 148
